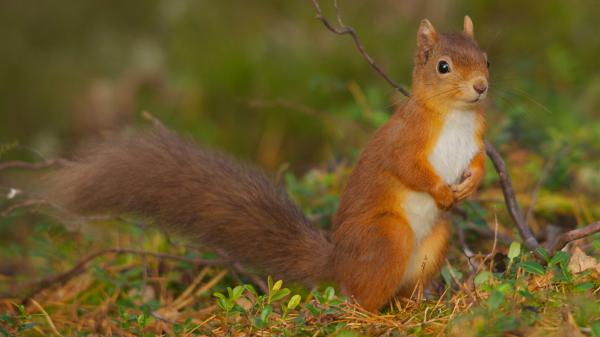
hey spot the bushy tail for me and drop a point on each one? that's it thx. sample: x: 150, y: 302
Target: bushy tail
x: 200, y: 193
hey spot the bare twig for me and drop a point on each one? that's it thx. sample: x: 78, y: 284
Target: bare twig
x: 16, y: 164
x: 509, y: 197
x: 82, y: 265
x: 467, y: 252
x: 27, y: 203
x: 573, y: 235
x: 493, y: 252
x: 347, y: 30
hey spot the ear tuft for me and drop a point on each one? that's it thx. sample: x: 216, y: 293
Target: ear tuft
x: 426, y: 39
x: 468, y: 27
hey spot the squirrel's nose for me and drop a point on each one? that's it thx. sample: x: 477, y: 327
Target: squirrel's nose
x: 480, y: 87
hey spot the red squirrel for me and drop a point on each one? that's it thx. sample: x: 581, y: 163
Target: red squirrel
x: 390, y: 231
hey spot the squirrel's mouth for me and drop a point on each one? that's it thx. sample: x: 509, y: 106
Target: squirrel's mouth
x: 476, y: 100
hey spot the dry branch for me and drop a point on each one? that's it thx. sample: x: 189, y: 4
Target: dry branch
x: 509, y: 197
x: 347, y: 30
x: 575, y: 234
x: 82, y: 265
x: 15, y: 164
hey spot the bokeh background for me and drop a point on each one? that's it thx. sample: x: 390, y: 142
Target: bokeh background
x: 265, y: 80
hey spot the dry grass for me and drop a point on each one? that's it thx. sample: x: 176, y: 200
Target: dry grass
x: 496, y: 291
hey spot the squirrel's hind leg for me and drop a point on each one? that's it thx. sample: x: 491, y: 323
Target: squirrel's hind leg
x: 428, y: 259
x: 370, y: 259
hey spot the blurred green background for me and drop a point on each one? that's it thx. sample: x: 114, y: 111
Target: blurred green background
x: 265, y: 81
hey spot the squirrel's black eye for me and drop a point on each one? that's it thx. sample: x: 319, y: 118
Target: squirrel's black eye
x: 443, y: 67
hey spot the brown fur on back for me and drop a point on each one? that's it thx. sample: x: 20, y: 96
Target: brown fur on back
x: 202, y: 194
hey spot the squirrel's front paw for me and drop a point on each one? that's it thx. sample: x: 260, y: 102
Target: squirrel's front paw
x: 443, y: 196
x: 466, y: 187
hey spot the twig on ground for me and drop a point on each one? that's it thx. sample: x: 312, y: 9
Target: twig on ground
x: 82, y: 265
x: 467, y: 252
x: 573, y: 235
x: 26, y: 203
x: 16, y: 164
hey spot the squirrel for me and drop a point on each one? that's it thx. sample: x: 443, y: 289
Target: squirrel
x: 390, y: 232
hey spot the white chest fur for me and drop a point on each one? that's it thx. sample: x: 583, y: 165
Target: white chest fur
x: 455, y: 147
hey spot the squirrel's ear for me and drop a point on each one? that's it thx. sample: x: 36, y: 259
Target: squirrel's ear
x: 468, y: 27
x: 426, y: 39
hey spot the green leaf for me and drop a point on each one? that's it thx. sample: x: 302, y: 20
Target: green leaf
x: 583, y: 287
x: 596, y: 329
x: 141, y: 319
x: 483, y: 277
x: 312, y: 309
x: 251, y: 289
x: 449, y: 272
x: 505, y: 288
x: 495, y: 300
x: 280, y: 294
x: 294, y: 302
x: 277, y: 285
x: 329, y: 293
x: 259, y: 323
x: 533, y: 267
x: 560, y: 258
x: 446, y: 276
x: 515, y: 250
x: 266, y: 312
x: 543, y: 252
x: 237, y: 292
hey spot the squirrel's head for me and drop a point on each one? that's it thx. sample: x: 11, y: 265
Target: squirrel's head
x: 451, y: 71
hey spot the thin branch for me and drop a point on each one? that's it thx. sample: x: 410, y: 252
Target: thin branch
x: 32, y: 166
x: 82, y: 265
x: 510, y: 199
x: 27, y: 203
x: 573, y: 235
x: 467, y: 252
x: 347, y: 30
